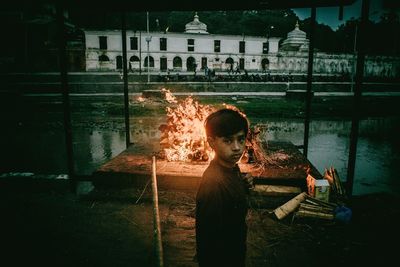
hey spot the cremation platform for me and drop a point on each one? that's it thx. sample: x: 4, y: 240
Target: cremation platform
x: 285, y: 166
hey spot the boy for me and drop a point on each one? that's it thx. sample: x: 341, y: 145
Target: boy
x: 221, y: 201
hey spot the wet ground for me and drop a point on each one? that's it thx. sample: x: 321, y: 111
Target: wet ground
x: 43, y: 223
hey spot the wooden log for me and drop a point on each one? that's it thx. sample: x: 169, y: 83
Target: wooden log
x: 320, y: 202
x: 276, y: 189
x: 282, y: 211
x: 304, y: 206
x: 320, y: 215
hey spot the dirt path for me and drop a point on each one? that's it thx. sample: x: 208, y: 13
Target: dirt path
x: 47, y: 225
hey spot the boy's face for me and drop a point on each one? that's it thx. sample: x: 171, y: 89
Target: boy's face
x: 228, y: 149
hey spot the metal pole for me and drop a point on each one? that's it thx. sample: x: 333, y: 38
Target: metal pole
x: 65, y: 93
x: 148, y: 39
x: 156, y: 215
x: 357, y: 97
x: 309, y: 82
x: 140, y: 52
x: 125, y: 71
x: 354, y: 58
x: 26, y: 38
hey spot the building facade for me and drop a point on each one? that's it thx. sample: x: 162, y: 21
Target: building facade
x: 196, y: 49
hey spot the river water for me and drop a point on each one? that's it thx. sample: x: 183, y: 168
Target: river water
x: 37, y: 145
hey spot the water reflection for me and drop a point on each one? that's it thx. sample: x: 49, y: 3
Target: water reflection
x: 92, y: 148
x: 41, y: 149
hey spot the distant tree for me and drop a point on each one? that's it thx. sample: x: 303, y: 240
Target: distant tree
x: 346, y: 36
x: 382, y: 37
x: 387, y: 30
x: 325, y: 38
x: 177, y: 20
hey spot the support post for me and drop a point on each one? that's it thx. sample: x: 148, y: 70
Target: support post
x: 62, y: 53
x: 148, y: 40
x: 125, y: 76
x: 357, y: 97
x: 309, y: 82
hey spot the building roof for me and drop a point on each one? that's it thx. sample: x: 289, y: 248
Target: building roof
x: 196, y: 26
x: 296, y: 40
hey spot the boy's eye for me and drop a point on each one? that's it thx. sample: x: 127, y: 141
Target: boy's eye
x: 227, y: 141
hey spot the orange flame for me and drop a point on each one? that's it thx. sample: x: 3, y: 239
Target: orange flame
x: 184, y: 137
x: 140, y: 99
x: 169, y: 96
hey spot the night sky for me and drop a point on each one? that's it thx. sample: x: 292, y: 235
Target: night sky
x: 330, y: 15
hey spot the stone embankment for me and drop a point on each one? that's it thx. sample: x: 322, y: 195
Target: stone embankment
x: 99, y: 82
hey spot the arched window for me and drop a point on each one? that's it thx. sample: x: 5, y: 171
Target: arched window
x: 298, y: 66
x: 343, y: 67
x: 134, y: 63
x: 229, y: 60
x: 103, y: 58
x: 333, y: 67
x: 265, y: 63
x: 134, y: 59
x: 177, y: 63
x: 291, y: 65
x: 151, y: 65
x: 190, y: 64
x: 322, y: 66
x: 229, y: 63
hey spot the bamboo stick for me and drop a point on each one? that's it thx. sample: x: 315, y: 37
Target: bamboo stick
x: 282, y: 211
x: 156, y: 216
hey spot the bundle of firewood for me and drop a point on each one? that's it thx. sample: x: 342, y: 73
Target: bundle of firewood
x: 304, y: 205
x: 314, y: 208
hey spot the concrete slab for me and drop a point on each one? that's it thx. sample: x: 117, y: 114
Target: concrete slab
x: 285, y: 166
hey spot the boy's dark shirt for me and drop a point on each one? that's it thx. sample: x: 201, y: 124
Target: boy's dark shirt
x: 221, y: 208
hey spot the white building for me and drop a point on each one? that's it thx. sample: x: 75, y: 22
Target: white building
x: 193, y: 49
x: 293, y: 58
x: 196, y: 49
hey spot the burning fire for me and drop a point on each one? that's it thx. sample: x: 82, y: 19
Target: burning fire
x: 183, y: 137
x: 140, y: 99
x: 169, y: 96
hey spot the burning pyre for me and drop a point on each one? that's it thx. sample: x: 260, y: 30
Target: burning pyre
x: 183, y: 137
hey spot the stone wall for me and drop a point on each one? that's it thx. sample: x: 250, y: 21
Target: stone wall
x: 113, y: 83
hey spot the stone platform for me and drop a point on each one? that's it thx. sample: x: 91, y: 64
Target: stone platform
x: 286, y: 168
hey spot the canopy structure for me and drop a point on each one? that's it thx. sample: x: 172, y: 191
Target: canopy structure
x: 180, y: 5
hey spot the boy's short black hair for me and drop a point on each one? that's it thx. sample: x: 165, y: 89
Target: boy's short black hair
x: 226, y: 122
